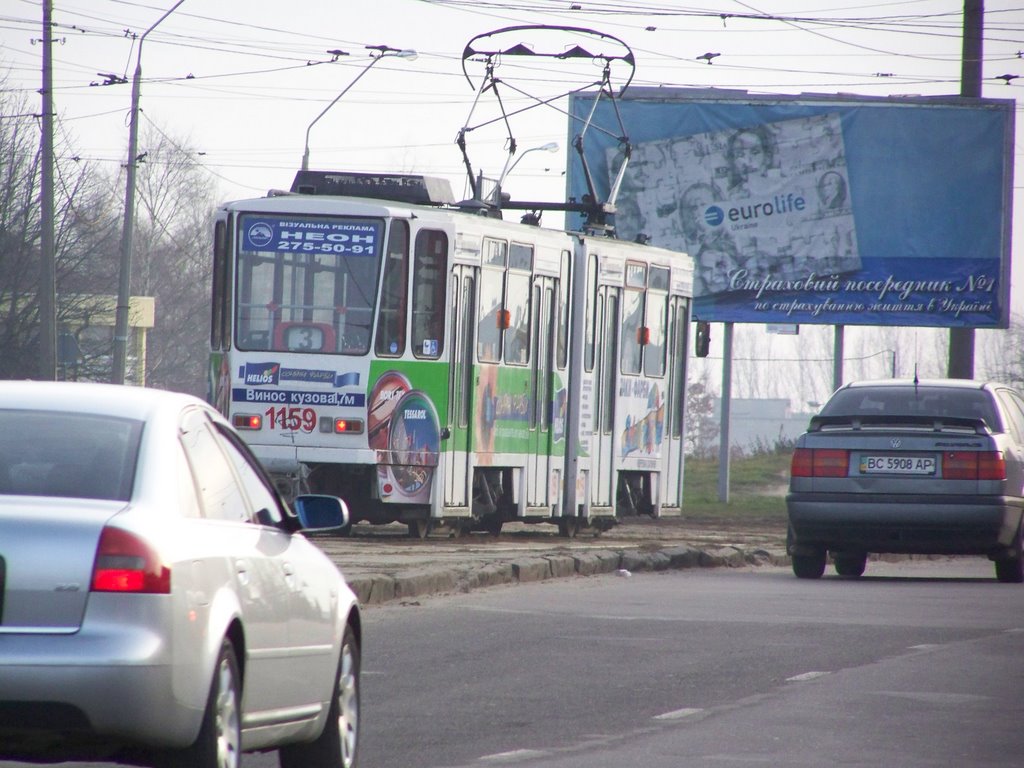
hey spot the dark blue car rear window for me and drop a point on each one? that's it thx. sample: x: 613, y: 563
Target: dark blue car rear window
x: 56, y: 453
x: 914, y: 401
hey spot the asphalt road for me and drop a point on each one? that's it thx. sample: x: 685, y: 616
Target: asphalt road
x: 918, y: 664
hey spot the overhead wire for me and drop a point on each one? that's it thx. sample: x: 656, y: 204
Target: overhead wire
x: 288, y: 45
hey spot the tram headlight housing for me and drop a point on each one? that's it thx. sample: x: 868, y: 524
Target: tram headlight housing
x: 247, y: 421
x: 340, y: 426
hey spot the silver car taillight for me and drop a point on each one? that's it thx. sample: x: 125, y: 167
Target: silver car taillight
x: 127, y: 563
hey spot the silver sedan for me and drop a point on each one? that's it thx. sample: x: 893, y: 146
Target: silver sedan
x: 159, y: 604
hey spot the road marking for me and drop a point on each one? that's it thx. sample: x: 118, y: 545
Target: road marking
x: 678, y: 714
x: 515, y: 754
x: 933, y: 697
x: 805, y: 676
x: 924, y: 647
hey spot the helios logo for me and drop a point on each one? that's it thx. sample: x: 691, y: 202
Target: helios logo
x: 261, y: 373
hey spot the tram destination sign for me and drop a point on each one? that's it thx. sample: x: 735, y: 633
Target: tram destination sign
x: 311, y: 234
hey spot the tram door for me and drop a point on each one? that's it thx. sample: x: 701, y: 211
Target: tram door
x: 460, y: 390
x: 544, y: 328
x: 606, y: 376
x: 675, y: 404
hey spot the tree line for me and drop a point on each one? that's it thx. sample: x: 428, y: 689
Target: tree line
x: 171, y: 255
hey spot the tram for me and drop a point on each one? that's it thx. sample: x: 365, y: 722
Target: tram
x: 445, y: 369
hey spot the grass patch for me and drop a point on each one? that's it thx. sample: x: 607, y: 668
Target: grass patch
x: 756, y: 488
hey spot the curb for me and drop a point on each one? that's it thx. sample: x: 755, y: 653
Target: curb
x: 379, y: 588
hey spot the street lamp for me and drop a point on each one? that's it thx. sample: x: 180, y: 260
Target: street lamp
x: 382, y: 51
x: 125, y: 282
x: 496, y: 193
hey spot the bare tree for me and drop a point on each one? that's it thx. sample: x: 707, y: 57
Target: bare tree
x: 1000, y: 353
x: 173, y: 246
x: 83, y: 244
x: 702, y: 425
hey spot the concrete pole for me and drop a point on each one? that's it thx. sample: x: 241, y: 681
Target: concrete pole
x: 838, y: 351
x: 726, y: 416
x: 961, y: 340
x: 47, y: 292
x: 117, y: 373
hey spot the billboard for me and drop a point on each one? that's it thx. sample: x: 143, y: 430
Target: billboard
x: 817, y: 209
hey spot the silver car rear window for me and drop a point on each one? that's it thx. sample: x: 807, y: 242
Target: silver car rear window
x: 56, y: 453
x: 914, y: 401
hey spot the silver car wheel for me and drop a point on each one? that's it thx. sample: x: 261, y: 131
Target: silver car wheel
x: 227, y: 721
x: 219, y: 741
x: 348, y: 703
x: 337, y: 746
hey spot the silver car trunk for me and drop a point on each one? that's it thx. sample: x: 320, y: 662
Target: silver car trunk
x: 47, y: 549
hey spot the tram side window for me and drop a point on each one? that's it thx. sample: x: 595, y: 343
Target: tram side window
x: 608, y: 387
x: 391, y: 317
x: 490, y: 322
x: 563, y: 312
x: 429, y: 280
x: 492, y: 299
x: 599, y: 379
x: 591, y: 316
x: 632, y: 320
x: 679, y: 344
x: 654, y: 353
x: 517, y: 335
x: 517, y: 303
x: 217, y: 338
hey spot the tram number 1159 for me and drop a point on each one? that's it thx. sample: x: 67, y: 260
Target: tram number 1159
x: 292, y: 418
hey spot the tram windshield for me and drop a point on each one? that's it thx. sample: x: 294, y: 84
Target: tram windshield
x: 307, y: 283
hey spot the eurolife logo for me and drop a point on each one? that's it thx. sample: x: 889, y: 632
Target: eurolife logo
x: 260, y: 234
x: 789, y: 202
x: 714, y: 215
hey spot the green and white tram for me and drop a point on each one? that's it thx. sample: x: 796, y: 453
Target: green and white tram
x: 443, y: 368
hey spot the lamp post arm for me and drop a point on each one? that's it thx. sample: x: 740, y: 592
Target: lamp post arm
x: 120, y: 351
x: 507, y: 170
x: 346, y: 89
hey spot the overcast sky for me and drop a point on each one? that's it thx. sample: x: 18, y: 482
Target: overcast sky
x: 239, y: 81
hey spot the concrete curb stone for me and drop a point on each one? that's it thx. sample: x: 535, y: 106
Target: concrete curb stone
x: 488, y: 575
x: 724, y: 556
x: 561, y: 566
x: 531, y: 569
x: 380, y: 588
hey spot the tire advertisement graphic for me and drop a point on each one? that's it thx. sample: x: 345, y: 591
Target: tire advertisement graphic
x: 403, y: 430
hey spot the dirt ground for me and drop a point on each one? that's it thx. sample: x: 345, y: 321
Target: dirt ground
x: 389, y: 549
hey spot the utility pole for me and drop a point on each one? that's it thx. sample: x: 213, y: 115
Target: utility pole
x: 120, y: 353
x: 47, y: 292
x: 961, y: 340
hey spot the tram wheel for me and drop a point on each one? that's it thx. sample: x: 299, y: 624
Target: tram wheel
x: 419, y: 529
x: 568, y: 527
x: 491, y: 524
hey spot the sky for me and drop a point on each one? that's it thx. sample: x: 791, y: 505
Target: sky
x: 239, y: 82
